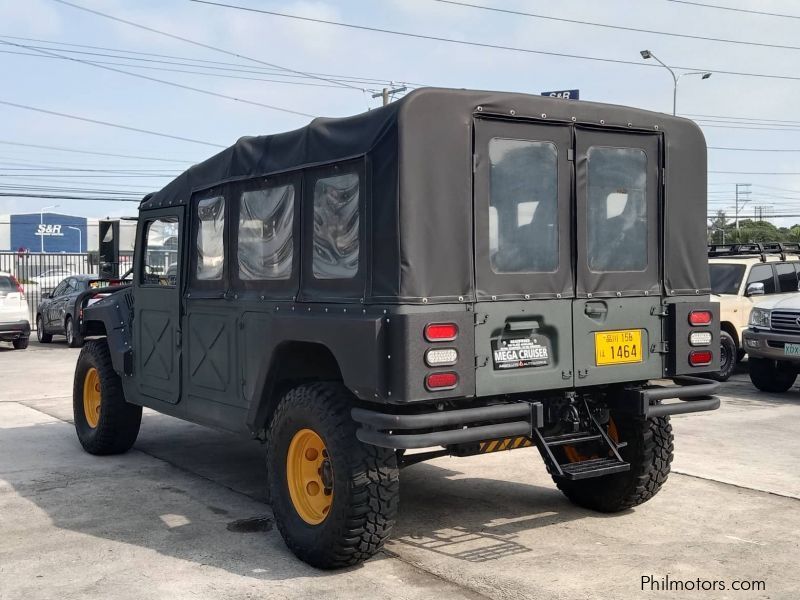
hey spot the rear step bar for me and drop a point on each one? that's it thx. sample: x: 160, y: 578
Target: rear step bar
x: 478, y: 424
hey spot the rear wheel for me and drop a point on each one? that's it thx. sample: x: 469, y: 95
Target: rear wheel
x: 771, y: 375
x: 44, y: 338
x: 649, y: 451
x: 104, y: 421
x: 727, y: 357
x: 334, y: 498
x: 20, y: 343
x: 74, y: 340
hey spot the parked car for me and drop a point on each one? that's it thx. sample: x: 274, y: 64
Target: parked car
x: 451, y: 272
x: 58, y: 312
x: 773, y: 343
x: 741, y: 276
x: 50, y: 278
x: 14, y: 324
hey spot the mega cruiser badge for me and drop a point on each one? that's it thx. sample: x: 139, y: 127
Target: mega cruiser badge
x: 521, y: 352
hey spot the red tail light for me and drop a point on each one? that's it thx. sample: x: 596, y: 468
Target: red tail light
x: 700, y: 358
x: 441, y: 381
x: 441, y: 332
x: 700, y: 317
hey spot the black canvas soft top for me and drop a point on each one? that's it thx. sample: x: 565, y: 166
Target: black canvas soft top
x: 418, y: 157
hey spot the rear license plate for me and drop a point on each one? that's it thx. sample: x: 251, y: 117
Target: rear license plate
x: 618, y: 347
x: 791, y: 349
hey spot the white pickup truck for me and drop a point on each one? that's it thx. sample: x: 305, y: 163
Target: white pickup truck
x: 772, y: 343
x: 15, y: 326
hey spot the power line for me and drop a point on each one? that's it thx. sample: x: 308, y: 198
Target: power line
x: 754, y: 149
x: 77, y: 151
x: 732, y: 9
x: 616, y: 27
x: 755, y: 172
x: 156, y: 80
x: 107, y: 124
x: 749, y: 119
x: 480, y: 44
x: 201, y: 44
x: 65, y: 197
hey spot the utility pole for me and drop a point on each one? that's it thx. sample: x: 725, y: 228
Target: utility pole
x: 386, y: 93
x: 745, y: 192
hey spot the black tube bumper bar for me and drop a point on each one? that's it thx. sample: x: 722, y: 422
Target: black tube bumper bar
x: 695, y: 394
x: 406, y: 432
x: 379, y: 429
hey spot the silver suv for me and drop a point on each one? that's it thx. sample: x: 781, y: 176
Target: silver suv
x: 773, y: 343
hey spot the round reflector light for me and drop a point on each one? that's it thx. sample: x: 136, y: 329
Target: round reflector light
x: 441, y: 332
x: 441, y: 381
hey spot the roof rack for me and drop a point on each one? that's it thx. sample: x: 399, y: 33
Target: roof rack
x: 754, y: 249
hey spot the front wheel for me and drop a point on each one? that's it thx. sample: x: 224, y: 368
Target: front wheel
x: 771, y: 375
x: 728, y: 356
x: 334, y: 498
x: 649, y: 451
x: 104, y: 421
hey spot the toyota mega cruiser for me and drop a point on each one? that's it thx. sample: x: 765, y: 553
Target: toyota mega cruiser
x: 457, y: 273
x: 773, y: 343
x: 741, y: 276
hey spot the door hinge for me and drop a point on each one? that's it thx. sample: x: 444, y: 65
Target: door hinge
x: 659, y: 348
x: 481, y: 318
x: 481, y: 361
x: 570, y: 154
x: 566, y: 374
x: 178, y: 338
x: 474, y: 163
x: 659, y: 311
x: 583, y: 373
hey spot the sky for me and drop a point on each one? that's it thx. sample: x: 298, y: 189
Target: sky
x: 37, y: 78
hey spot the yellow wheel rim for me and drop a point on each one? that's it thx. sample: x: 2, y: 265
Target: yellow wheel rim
x: 309, y: 475
x: 574, y: 455
x: 91, y: 397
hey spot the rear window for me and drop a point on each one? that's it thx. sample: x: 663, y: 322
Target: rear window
x: 617, y: 209
x: 787, y: 277
x: 726, y: 279
x: 6, y: 285
x: 523, y: 206
x: 336, y: 230
x: 266, y: 219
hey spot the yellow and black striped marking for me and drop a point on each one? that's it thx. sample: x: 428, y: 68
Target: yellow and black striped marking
x: 504, y: 444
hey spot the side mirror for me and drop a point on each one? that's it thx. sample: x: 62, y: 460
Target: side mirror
x: 755, y: 289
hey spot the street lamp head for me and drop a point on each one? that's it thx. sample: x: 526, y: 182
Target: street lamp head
x: 646, y: 54
x: 706, y: 75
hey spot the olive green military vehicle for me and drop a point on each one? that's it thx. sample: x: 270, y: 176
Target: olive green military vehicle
x: 457, y: 273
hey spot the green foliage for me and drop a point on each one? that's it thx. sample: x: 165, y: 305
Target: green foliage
x: 723, y: 230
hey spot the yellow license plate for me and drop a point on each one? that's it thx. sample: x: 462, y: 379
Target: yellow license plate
x: 618, y: 347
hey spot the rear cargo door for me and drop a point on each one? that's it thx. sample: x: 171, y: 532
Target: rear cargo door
x: 523, y: 266
x: 616, y: 316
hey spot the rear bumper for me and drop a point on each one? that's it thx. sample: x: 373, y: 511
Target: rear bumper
x: 12, y: 330
x: 512, y: 419
x: 769, y: 344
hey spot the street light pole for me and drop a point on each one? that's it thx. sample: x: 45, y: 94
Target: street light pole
x: 675, y: 78
x: 80, y: 237
x: 41, y: 222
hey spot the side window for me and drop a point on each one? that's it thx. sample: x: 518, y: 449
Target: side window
x: 523, y: 206
x: 266, y: 223
x: 210, y: 224
x: 617, y: 209
x: 160, y: 264
x: 787, y: 277
x: 61, y: 289
x: 336, y: 230
x: 763, y: 274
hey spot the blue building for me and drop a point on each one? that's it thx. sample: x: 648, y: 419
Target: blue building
x: 51, y: 232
